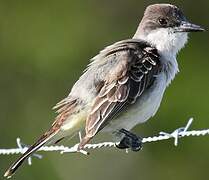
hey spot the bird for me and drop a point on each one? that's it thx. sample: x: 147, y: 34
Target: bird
x: 123, y: 85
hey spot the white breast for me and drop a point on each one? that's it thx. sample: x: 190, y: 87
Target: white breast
x: 143, y: 109
x: 147, y: 105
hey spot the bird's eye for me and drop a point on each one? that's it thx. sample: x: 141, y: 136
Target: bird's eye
x: 162, y: 21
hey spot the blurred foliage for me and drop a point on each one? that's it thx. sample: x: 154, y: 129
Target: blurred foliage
x: 45, y: 45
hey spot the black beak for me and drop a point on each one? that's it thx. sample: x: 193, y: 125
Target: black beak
x: 186, y: 26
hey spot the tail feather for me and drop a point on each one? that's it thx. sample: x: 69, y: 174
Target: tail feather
x: 38, y: 144
x: 66, y: 108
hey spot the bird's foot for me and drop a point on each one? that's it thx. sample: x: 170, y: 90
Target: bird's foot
x: 130, y: 140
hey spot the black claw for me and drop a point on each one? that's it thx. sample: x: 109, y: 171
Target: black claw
x: 130, y: 140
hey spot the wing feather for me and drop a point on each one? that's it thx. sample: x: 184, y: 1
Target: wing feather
x: 134, y: 70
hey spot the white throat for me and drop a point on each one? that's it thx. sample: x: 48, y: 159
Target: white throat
x: 165, y: 40
x: 168, y: 45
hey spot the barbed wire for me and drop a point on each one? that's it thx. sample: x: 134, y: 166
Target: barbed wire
x: 176, y: 134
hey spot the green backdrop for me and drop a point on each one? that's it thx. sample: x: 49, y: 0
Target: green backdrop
x: 44, y: 47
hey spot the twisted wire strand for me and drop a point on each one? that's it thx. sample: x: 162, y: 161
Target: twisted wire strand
x: 176, y: 134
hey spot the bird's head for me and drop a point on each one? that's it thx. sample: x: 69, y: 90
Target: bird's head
x: 166, y: 27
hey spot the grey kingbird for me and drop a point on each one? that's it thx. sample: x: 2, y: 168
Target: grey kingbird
x: 124, y: 84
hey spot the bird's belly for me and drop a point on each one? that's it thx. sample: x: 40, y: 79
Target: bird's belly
x: 144, y: 108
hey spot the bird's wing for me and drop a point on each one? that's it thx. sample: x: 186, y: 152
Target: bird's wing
x: 134, y: 66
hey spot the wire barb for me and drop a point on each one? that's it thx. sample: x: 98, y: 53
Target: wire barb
x: 176, y: 134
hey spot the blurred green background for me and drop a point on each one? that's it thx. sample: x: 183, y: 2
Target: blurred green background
x: 44, y: 47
